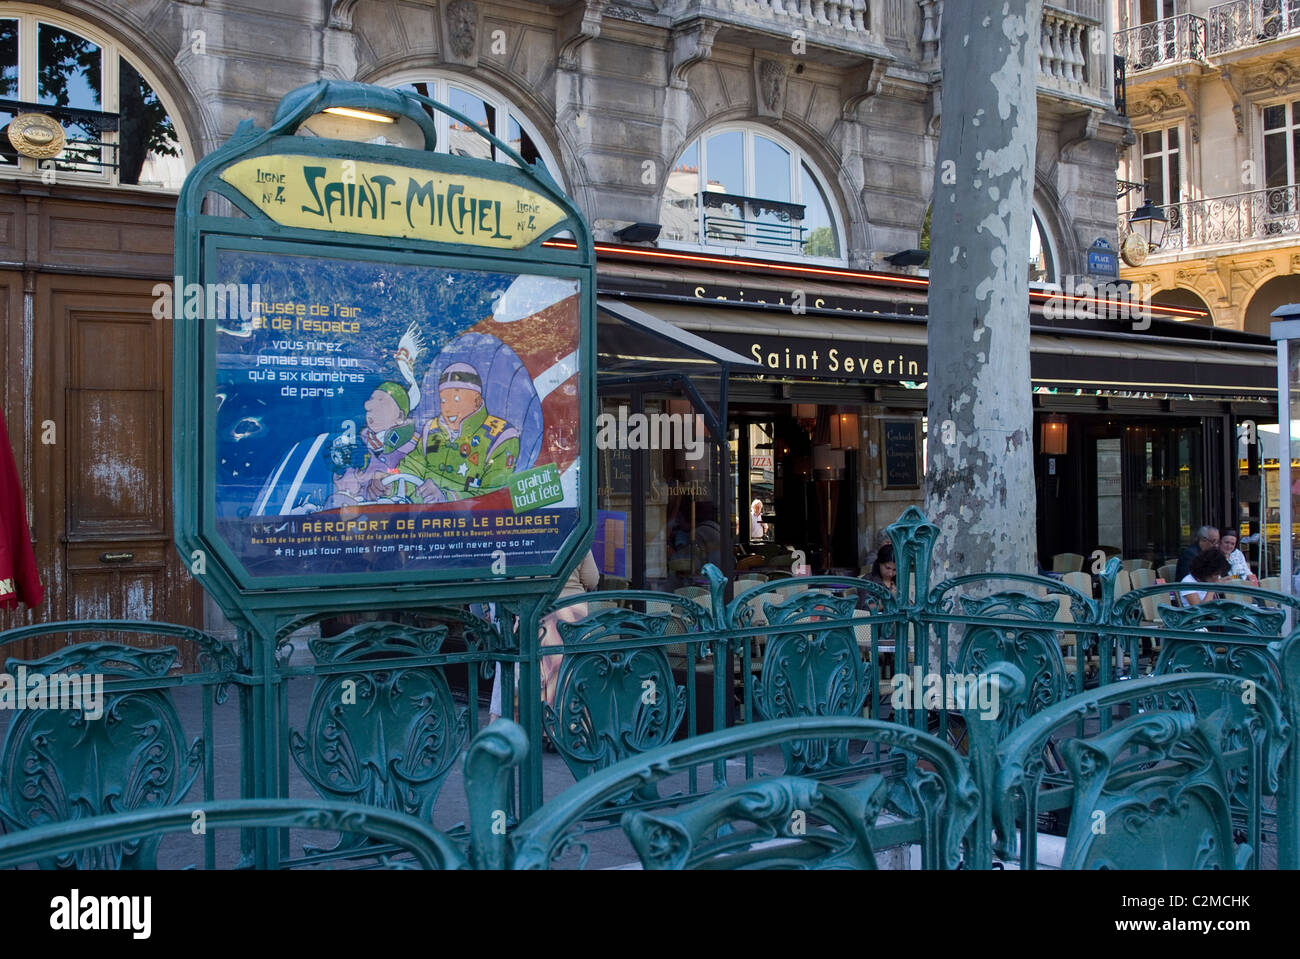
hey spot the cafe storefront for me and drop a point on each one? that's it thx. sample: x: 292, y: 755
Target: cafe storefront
x: 815, y: 408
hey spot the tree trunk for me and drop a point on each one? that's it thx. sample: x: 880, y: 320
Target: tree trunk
x: 980, y: 475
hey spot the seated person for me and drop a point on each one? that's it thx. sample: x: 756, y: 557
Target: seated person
x: 1207, y: 537
x: 1236, y: 559
x: 884, y: 570
x: 1209, y: 566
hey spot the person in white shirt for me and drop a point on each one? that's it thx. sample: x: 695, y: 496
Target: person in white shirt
x: 756, y: 527
x: 1236, y: 559
x: 1207, y: 567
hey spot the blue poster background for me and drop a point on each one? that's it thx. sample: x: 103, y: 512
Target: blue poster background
x: 297, y: 376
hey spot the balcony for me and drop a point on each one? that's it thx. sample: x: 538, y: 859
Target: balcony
x: 85, y: 151
x: 753, y: 222
x: 1068, y: 68
x: 1064, y: 53
x: 1246, y: 23
x: 1225, y: 220
x: 846, y: 32
x: 1180, y: 39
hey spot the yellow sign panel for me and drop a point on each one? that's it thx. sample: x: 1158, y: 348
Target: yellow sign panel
x: 380, y: 199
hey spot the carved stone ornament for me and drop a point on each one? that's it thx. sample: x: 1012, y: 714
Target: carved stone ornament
x: 1157, y: 103
x: 771, y: 87
x: 1277, y: 77
x: 462, y: 25
x: 36, y: 135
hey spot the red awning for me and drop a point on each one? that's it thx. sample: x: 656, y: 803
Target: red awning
x: 19, y: 582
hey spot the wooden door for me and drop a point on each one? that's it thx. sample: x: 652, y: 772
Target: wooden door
x: 101, y: 378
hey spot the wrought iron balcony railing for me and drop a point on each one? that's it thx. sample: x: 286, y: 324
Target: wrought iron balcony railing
x: 1244, y: 23
x: 1172, y: 40
x: 85, y: 150
x: 1237, y: 218
x: 754, y: 222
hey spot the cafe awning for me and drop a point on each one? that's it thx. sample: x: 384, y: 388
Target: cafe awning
x: 893, y: 349
x: 664, y: 341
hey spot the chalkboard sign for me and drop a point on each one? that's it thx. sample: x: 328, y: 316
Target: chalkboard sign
x: 899, y: 454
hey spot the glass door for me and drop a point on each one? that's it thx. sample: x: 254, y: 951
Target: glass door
x: 1164, y: 483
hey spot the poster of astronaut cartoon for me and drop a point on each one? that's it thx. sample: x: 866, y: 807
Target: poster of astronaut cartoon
x: 388, y: 416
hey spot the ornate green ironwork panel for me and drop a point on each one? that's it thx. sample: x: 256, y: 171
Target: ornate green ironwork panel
x: 107, y: 740
x: 824, y: 827
x: 426, y: 847
x: 1176, y: 751
x: 1173, y: 815
x: 611, y: 703
x: 811, y: 663
x: 946, y: 796
x: 380, y: 732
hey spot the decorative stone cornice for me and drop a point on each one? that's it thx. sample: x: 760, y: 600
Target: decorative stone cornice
x: 690, y: 44
x: 1279, y: 76
x: 580, y: 23
x: 1156, y: 104
x: 341, y: 14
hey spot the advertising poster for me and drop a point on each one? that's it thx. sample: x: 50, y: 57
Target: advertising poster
x: 388, y: 417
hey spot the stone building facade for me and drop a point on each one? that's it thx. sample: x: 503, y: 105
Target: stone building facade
x: 667, y: 113
x: 1214, y: 97
x: 617, y: 90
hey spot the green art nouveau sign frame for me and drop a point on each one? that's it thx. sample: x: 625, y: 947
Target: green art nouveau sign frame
x: 401, y: 411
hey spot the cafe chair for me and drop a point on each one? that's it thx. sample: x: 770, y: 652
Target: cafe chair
x: 1067, y: 563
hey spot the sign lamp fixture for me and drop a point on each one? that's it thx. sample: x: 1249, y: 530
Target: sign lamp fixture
x: 359, y: 114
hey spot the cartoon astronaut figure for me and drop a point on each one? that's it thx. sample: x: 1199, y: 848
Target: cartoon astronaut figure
x: 466, y: 451
x: 371, y: 473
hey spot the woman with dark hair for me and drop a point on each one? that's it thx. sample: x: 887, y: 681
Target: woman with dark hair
x: 884, y: 570
x: 1208, y: 566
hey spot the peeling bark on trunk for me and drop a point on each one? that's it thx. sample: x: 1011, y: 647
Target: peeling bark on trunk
x: 980, y: 475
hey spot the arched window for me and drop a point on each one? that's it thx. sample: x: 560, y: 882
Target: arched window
x: 489, y: 110
x: 117, y: 128
x: 743, y: 188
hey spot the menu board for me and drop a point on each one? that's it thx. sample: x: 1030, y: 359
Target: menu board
x: 391, y: 417
x: 899, y: 454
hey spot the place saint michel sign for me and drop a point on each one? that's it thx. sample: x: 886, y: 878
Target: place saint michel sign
x: 382, y: 199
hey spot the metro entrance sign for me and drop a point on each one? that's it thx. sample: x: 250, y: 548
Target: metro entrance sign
x: 383, y: 386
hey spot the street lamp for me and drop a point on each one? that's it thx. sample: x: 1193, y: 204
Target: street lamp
x: 1149, y: 222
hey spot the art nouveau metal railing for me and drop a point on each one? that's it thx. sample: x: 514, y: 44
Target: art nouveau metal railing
x: 670, y: 716
x: 1236, y: 218
x: 1245, y: 23
x: 119, y: 729
x: 1162, y: 42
